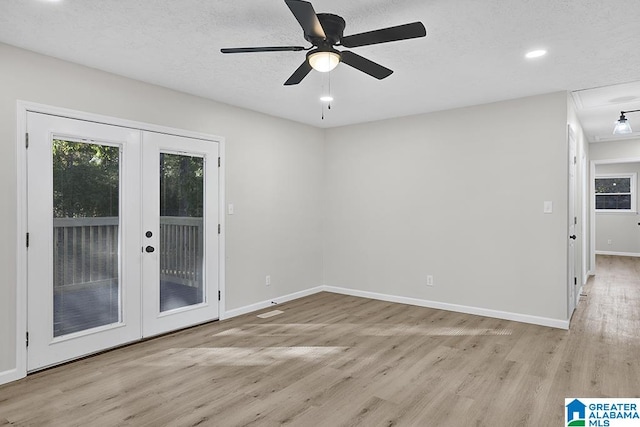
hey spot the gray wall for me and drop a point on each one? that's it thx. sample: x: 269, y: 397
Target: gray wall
x: 457, y: 195
x: 615, y: 150
x: 274, y: 175
x: 373, y: 207
x: 619, y: 228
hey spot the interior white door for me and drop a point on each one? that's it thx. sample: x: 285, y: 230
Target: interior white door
x: 572, y: 284
x: 83, y: 242
x: 180, y: 232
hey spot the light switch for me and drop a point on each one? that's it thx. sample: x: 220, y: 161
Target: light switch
x: 230, y: 208
x: 548, y: 207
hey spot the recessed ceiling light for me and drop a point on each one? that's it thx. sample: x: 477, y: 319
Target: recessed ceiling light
x: 535, y: 53
x: 326, y: 98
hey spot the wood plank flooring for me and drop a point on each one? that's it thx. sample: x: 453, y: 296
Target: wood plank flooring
x: 334, y: 360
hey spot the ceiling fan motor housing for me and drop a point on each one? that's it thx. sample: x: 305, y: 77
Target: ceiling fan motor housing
x: 333, y: 26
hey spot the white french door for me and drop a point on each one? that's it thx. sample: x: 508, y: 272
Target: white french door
x: 180, y: 221
x: 122, y: 236
x: 83, y: 222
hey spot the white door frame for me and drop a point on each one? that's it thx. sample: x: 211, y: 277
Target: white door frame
x: 21, y: 202
x: 584, y: 214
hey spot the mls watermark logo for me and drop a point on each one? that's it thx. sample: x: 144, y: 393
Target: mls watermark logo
x: 576, y: 411
x: 602, y: 412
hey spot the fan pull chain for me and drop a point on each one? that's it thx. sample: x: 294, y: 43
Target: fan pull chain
x: 329, y: 105
x: 326, y: 96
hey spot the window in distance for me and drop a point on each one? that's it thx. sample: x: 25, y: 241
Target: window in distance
x: 615, y: 193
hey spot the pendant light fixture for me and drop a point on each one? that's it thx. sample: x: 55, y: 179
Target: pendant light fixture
x: 622, y: 125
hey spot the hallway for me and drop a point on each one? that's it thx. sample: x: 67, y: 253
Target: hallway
x: 603, y: 347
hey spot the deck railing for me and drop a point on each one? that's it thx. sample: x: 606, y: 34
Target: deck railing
x: 85, y: 251
x: 181, y: 249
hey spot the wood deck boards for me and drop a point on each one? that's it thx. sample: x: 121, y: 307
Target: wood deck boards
x: 335, y: 360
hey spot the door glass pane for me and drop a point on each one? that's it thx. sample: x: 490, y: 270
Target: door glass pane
x: 86, y: 285
x: 181, y: 231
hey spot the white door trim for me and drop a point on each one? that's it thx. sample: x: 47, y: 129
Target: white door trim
x: 22, y: 107
x: 584, y: 214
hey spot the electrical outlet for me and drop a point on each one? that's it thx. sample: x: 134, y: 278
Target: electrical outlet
x: 609, y: 242
x: 429, y: 280
x: 267, y: 281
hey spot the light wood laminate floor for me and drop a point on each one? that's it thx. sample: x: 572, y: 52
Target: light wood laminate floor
x: 334, y: 360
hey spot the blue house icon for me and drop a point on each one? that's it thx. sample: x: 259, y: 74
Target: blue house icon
x: 575, y: 407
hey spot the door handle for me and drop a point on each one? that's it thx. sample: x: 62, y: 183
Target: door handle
x: 574, y: 237
x: 149, y: 249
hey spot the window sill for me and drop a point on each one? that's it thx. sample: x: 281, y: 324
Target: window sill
x: 616, y: 211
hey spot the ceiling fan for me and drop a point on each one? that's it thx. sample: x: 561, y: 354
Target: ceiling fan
x: 324, y: 32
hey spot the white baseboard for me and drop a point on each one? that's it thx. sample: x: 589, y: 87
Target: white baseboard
x: 516, y: 317
x: 586, y: 277
x: 631, y: 254
x: 10, y: 375
x: 269, y: 303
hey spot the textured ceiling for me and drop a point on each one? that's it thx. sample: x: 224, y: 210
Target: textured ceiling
x: 473, y: 52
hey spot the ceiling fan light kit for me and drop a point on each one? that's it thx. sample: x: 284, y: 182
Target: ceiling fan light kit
x: 323, y: 60
x: 325, y: 31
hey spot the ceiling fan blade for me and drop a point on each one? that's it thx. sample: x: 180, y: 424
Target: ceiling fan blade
x: 384, y: 35
x: 306, y: 16
x: 366, y: 66
x: 261, y: 49
x: 299, y: 74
